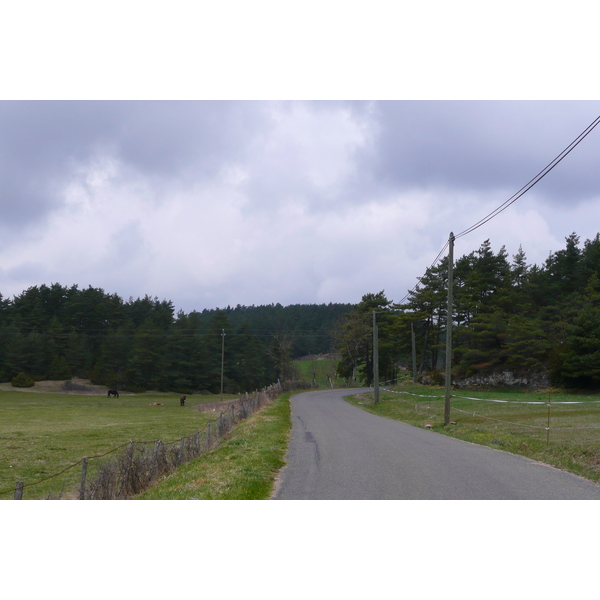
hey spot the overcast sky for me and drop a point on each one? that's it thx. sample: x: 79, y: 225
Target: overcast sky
x: 297, y: 189
x: 216, y: 203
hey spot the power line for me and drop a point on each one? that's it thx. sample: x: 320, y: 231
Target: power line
x: 515, y: 196
x: 533, y: 181
x: 435, y: 261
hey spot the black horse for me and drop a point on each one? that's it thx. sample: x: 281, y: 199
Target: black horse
x: 114, y: 393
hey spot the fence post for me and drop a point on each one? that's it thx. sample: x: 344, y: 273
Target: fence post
x: 182, y: 449
x: 155, y: 456
x: 19, y: 491
x: 84, y: 465
x: 208, y: 435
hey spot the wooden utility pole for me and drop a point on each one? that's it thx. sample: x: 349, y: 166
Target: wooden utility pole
x: 414, y: 352
x: 222, y: 360
x: 449, y: 330
x: 375, y: 359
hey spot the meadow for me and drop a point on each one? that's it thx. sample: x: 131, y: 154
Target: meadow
x: 321, y: 370
x: 43, y: 433
x: 554, y: 427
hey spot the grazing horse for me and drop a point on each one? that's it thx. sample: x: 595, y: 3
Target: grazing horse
x: 114, y: 393
x: 182, y: 401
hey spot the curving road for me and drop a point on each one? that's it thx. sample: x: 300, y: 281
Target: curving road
x: 339, y: 451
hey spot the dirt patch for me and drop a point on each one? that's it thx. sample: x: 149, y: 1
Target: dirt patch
x: 80, y: 386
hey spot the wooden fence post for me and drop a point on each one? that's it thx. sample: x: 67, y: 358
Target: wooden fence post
x: 84, y: 465
x: 19, y: 490
x: 155, y: 456
x: 182, y: 449
x: 208, y: 435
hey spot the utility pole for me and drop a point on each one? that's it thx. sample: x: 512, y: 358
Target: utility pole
x: 222, y: 360
x: 414, y: 352
x: 449, y: 330
x: 375, y: 359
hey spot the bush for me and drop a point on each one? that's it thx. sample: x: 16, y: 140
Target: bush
x: 433, y: 378
x: 70, y: 386
x: 22, y: 380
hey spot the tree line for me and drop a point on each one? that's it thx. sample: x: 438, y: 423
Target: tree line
x: 58, y: 332
x: 507, y: 316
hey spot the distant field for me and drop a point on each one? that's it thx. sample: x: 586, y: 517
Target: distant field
x: 556, y: 428
x: 42, y: 433
x: 319, y: 369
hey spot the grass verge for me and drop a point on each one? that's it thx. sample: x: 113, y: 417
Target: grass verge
x: 321, y: 370
x: 514, y: 421
x: 243, y: 467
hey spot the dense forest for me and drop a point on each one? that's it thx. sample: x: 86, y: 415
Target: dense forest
x: 57, y: 332
x: 507, y: 316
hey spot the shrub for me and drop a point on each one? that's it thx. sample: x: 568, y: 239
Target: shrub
x: 436, y: 377
x: 70, y: 386
x: 22, y: 380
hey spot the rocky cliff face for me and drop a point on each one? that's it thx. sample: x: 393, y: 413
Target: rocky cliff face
x: 537, y: 379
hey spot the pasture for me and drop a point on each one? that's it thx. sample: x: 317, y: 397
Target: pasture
x: 42, y: 433
x: 317, y: 369
x: 554, y: 427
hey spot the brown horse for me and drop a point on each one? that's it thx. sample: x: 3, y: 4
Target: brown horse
x: 182, y: 401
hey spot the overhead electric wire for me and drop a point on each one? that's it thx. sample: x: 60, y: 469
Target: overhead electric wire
x: 437, y: 258
x: 533, y: 181
x: 515, y: 196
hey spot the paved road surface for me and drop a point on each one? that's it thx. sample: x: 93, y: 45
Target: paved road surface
x: 339, y: 451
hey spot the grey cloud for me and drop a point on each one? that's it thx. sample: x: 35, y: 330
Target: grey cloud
x: 486, y: 145
x: 26, y: 271
x: 42, y: 142
x: 169, y: 147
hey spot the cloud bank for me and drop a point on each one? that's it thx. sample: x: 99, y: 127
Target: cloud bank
x: 216, y: 203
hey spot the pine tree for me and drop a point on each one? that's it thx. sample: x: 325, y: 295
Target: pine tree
x: 581, y: 366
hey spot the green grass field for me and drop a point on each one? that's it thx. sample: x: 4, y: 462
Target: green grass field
x: 319, y: 369
x: 243, y: 467
x: 517, y: 424
x: 44, y: 433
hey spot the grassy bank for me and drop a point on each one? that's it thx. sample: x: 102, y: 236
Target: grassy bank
x: 44, y: 433
x: 243, y: 467
x: 509, y: 420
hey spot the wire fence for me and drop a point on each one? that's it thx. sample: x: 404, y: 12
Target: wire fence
x: 142, y: 462
x: 561, y: 417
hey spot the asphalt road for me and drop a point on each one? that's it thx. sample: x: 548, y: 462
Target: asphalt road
x: 340, y: 452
